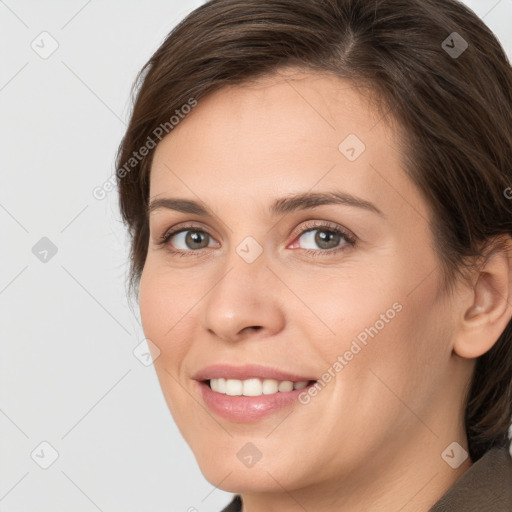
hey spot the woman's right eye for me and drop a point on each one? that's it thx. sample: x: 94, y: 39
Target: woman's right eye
x: 190, y: 240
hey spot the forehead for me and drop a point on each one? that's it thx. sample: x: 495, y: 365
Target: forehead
x: 281, y: 134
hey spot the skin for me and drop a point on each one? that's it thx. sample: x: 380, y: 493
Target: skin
x: 372, y: 438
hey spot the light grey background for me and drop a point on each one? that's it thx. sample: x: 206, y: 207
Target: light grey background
x: 68, y: 373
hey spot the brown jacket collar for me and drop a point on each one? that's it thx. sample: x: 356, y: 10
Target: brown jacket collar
x: 485, y: 487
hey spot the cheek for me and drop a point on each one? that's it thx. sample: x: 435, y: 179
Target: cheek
x: 381, y: 324
x: 405, y: 351
x: 347, y: 305
x: 163, y: 309
x: 163, y: 306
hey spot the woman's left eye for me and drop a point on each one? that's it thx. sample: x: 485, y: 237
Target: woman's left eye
x: 327, y: 238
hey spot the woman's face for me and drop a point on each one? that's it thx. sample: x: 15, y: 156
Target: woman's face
x: 270, y: 292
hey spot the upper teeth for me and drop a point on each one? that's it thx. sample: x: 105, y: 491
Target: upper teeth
x: 254, y: 387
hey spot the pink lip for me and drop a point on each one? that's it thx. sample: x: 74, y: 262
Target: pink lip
x: 250, y: 371
x: 246, y: 409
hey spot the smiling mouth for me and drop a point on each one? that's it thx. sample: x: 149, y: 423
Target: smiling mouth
x: 255, y: 386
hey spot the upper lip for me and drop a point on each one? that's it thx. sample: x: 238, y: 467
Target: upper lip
x: 245, y: 372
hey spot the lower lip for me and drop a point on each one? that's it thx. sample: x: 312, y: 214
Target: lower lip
x: 246, y: 409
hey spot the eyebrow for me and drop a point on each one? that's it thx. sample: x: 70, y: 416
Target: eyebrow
x: 280, y: 206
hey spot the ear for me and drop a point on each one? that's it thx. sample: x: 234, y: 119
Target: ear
x: 490, y: 303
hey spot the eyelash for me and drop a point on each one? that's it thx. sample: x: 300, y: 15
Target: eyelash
x: 350, y: 240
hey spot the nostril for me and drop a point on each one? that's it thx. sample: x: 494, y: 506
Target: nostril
x: 251, y: 327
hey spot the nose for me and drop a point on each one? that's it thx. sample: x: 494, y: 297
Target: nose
x: 244, y: 301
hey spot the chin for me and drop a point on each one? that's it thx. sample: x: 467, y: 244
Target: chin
x: 236, y: 465
x: 239, y: 479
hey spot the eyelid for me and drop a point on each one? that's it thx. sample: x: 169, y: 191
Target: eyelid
x: 317, y: 224
x: 183, y: 226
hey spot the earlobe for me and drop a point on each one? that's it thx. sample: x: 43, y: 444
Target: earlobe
x: 486, y: 318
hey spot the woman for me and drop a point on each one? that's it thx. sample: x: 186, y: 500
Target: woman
x: 319, y: 199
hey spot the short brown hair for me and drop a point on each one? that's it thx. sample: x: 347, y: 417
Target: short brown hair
x: 454, y: 110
